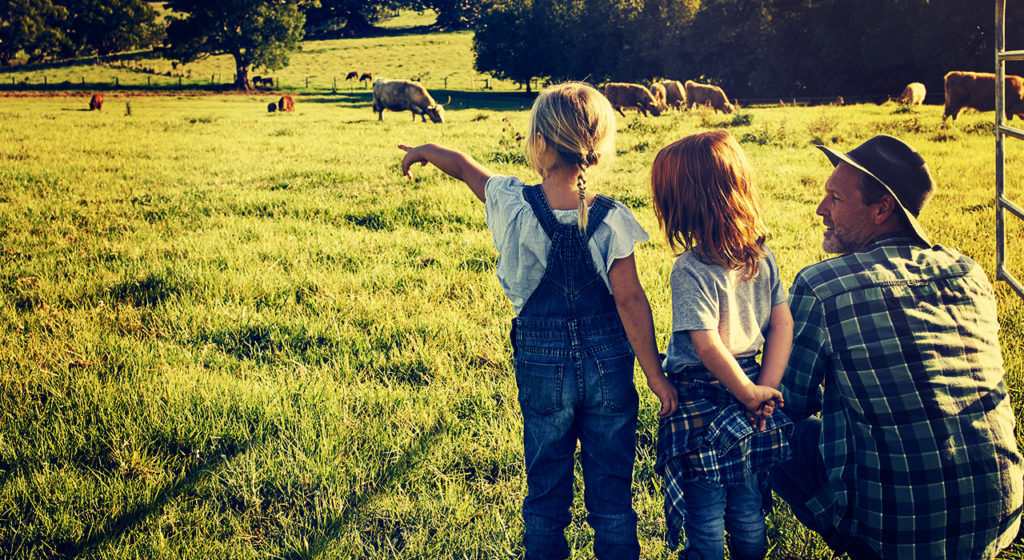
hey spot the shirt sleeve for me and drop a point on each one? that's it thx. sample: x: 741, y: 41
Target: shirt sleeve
x: 503, y: 200
x: 617, y: 236
x: 778, y: 291
x: 801, y: 384
x: 695, y: 302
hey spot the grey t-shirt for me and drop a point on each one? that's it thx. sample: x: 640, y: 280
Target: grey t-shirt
x: 710, y: 296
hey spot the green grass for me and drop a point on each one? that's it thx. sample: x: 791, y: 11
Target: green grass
x: 227, y: 333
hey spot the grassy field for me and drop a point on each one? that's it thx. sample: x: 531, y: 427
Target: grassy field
x: 232, y: 334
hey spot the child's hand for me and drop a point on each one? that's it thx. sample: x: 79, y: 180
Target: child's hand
x: 412, y: 155
x: 666, y: 393
x: 761, y: 403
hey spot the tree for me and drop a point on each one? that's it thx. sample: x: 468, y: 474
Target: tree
x: 29, y: 26
x: 257, y: 33
x: 339, y: 18
x: 507, y: 42
x: 109, y: 26
x: 456, y: 14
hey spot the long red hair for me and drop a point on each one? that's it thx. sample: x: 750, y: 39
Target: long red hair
x: 706, y: 201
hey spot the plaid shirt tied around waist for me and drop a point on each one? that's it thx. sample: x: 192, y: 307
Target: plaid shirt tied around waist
x: 710, y: 438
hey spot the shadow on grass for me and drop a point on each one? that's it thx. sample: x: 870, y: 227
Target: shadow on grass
x: 114, y: 528
x: 392, y: 476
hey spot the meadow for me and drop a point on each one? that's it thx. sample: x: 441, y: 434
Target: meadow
x: 232, y: 334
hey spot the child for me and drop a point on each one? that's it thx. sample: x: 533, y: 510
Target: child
x: 727, y: 300
x: 565, y: 260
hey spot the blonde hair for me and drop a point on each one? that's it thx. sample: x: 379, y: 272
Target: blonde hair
x: 705, y: 200
x: 571, y: 124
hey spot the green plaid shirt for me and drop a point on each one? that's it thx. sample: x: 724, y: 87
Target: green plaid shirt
x: 917, y: 429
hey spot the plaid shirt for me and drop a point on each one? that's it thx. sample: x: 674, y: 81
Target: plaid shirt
x: 917, y: 430
x: 710, y: 438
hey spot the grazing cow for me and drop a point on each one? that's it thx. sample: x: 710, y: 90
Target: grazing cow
x: 707, y: 95
x: 631, y: 96
x: 402, y: 95
x: 96, y: 103
x: 271, y: 107
x: 913, y: 94
x: 366, y: 77
x: 659, y: 93
x: 256, y: 81
x: 352, y: 75
x: 286, y: 104
x: 675, y: 95
x: 976, y: 90
x: 263, y: 82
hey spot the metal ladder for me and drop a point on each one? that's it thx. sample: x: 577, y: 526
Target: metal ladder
x: 1002, y: 131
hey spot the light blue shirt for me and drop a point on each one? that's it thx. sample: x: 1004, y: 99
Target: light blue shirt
x: 523, y: 246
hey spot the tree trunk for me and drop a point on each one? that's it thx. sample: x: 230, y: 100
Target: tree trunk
x: 242, y: 81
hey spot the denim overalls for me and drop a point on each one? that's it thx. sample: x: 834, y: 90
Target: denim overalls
x: 574, y: 370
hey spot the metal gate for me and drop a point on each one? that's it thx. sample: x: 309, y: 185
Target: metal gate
x: 1002, y: 132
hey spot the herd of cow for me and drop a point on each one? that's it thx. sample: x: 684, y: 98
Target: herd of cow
x: 964, y: 90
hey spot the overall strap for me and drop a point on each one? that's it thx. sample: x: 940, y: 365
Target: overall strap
x: 534, y: 195
x: 598, y: 210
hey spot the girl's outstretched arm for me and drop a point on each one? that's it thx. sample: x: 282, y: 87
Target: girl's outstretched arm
x: 635, y: 312
x: 453, y: 162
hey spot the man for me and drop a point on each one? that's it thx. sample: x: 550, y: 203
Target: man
x: 895, y: 344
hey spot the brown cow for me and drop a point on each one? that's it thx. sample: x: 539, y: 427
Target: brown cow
x: 977, y: 90
x: 707, y: 95
x: 913, y: 94
x: 286, y: 104
x: 402, y: 95
x: 366, y: 77
x: 96, y: 103
x: 659, y: 93
x: 675, y: 95
x: 631, y: 96
x: 352, y: 75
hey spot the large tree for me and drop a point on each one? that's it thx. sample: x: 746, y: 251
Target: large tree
x: 31, y: 27
x: 257, y: 33
x: 339, y: 18
x: 109, y: 26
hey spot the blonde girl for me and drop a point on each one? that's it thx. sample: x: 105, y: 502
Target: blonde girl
x: 565, y: 261
x: 727, y: 302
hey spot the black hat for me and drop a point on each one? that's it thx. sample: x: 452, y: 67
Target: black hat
x: 898, y: 167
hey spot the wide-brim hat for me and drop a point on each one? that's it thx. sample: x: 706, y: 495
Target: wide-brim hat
x: 898, y: 168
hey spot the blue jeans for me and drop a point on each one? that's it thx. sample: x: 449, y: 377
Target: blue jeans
x: 586, y: 395
x: 713, y: 509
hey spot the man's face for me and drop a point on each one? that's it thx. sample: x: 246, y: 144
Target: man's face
x: 849, y: 222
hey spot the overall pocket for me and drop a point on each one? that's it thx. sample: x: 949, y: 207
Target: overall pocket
x: 617, y: 390
x: 540, y: 386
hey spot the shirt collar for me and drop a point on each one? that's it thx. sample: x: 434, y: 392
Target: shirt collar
x: 892, y: 238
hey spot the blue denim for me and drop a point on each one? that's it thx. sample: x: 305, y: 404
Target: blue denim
x: 574, y: 371
x: 713, y: 509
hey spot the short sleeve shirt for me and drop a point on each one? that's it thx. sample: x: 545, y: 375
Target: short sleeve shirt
x: 713, y: 297
x: 523, y: 246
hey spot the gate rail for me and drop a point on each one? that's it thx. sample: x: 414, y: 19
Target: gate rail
x: 1002, y: 131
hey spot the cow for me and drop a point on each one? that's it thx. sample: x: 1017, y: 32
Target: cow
x: 257, y: 81
x: 913, y: 94
x: 286, y: 104
x: 659, y: 93
x: 631, y: 96
x: 366, y: 77
x: 402, y: 95
x: 96, y: 102
x: 707, y: 95
x: 976, y: 90
x: 675, y: 95
x: 271, y: 107
x: 352, y: 75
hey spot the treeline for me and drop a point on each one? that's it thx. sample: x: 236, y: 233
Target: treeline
x: 753, y: 48
x: 41, y: 29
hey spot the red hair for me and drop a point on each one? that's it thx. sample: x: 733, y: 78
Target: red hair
x: 706, y: 201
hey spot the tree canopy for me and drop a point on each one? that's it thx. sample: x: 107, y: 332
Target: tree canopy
x: 257, y: 33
